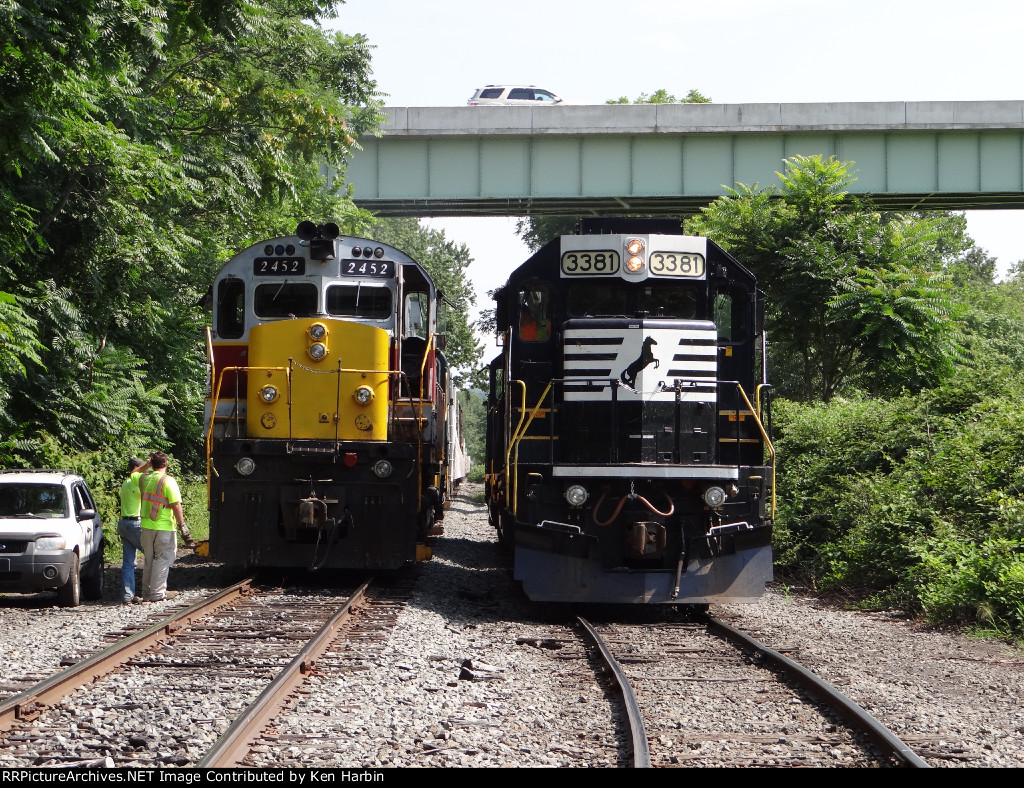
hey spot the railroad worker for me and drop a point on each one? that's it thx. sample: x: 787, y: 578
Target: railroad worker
x: 161, y: 510
x: 129, y: 527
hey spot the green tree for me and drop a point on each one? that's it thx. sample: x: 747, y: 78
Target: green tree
x: 474, y: 426
x: 448, y: 264
x: 662, y: 96
x: 141, y: 143
x: 855, y: 297
x: 536, y: 231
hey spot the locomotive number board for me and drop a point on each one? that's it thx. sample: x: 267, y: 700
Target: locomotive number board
x: 592, y: 262
x: 605, y: 262
x: 382, y: 268
x: 279, y: 266
x: 681, y: 264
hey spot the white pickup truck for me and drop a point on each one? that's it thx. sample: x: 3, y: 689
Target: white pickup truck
x: 51, y: 536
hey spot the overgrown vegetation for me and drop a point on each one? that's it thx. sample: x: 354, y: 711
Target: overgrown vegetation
x: 899, y: 430
x: 897, y: 364
x: 142, y: 143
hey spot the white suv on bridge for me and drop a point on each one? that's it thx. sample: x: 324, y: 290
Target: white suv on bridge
x: 51, y: 536
x: 514, y: 96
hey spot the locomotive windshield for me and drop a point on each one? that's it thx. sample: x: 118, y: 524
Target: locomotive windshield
x: 285, y: 299
x: 359, y: 300
x: 617, y: 299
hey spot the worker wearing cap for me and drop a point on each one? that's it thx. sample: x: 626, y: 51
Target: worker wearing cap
x: 129, y: 526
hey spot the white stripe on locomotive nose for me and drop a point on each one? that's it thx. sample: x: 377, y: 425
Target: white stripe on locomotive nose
x: 659, y: 357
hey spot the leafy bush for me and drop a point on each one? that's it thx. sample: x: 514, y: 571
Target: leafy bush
x: 917, y: 500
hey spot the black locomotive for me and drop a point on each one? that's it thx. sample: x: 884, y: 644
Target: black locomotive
x: 628, y: 449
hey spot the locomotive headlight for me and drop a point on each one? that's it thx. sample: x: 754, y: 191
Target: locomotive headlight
x: 245, y: 466
x: 363, y: 395
x: 318, y: 331
x: 714, y: 497
x: 382, y: 469
x: 577, y: 495
x: 268, y: 393
x: 317, y: 351
x: 635, y: 255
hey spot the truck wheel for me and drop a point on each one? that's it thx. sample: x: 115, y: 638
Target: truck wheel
x: 92, y: 582
x: 70, y: 594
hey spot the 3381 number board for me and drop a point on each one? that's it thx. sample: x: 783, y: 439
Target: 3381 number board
x: 598, y: 262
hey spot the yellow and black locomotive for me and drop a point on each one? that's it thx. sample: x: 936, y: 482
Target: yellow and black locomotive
x: 628, y: 449
x: 333, y: 436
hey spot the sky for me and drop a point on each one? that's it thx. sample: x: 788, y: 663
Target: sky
x: 436, y: 53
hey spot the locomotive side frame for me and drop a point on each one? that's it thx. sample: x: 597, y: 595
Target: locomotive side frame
x: 628, y: 448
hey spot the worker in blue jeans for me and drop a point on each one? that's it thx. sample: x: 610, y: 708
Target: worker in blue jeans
x: 129, y: 526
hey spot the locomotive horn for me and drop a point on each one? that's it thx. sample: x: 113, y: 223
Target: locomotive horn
x: 306, y: 231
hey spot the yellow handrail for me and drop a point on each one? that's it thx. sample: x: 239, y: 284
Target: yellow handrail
x: 517, y: 438
x: 767, y: 441
x: 522, y: 416
x: 419, y: 422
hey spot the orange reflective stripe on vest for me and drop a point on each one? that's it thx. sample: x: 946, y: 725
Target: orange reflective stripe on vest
x: 155, y: 499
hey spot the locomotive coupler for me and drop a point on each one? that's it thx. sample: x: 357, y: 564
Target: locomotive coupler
x: 645, y: 539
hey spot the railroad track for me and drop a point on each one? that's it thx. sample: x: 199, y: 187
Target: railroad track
x: 678, y: 675
x: 191, y: 689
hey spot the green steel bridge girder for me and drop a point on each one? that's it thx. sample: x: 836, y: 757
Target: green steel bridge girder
x: 675, y: 159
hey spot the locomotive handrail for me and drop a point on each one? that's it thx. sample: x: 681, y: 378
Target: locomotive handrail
x: 419, y: 421
x: 520, y: 430
x: 517, y: 437
x: 214, y: 401
x: 764, y: 435
x: 215, y: 398
x: 515, y: 432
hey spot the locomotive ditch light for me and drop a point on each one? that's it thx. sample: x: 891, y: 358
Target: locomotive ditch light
x: 363, y: 395
x: 245, y: 466
x: 268, y: 393
x: 577, y: 495
x: 318, y: 351
x: 714, y: 496
x: 382, y: 469
x: 317, y: 331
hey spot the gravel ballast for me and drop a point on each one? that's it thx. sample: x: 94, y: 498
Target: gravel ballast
x: 957, y: 701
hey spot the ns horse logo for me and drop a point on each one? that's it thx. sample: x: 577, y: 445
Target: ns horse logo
x: 629, y: 374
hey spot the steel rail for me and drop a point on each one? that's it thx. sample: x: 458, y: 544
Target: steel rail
x: 233, y: 745
x: 641, y: 750
x: 856, y: 716
x: 104, y: 662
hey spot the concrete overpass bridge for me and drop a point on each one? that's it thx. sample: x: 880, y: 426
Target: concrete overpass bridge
x: 675, y: 158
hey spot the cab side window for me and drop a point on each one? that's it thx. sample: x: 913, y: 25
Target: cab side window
x: 535, y: 313
x: 731, y: 315
x: 231, y: 308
